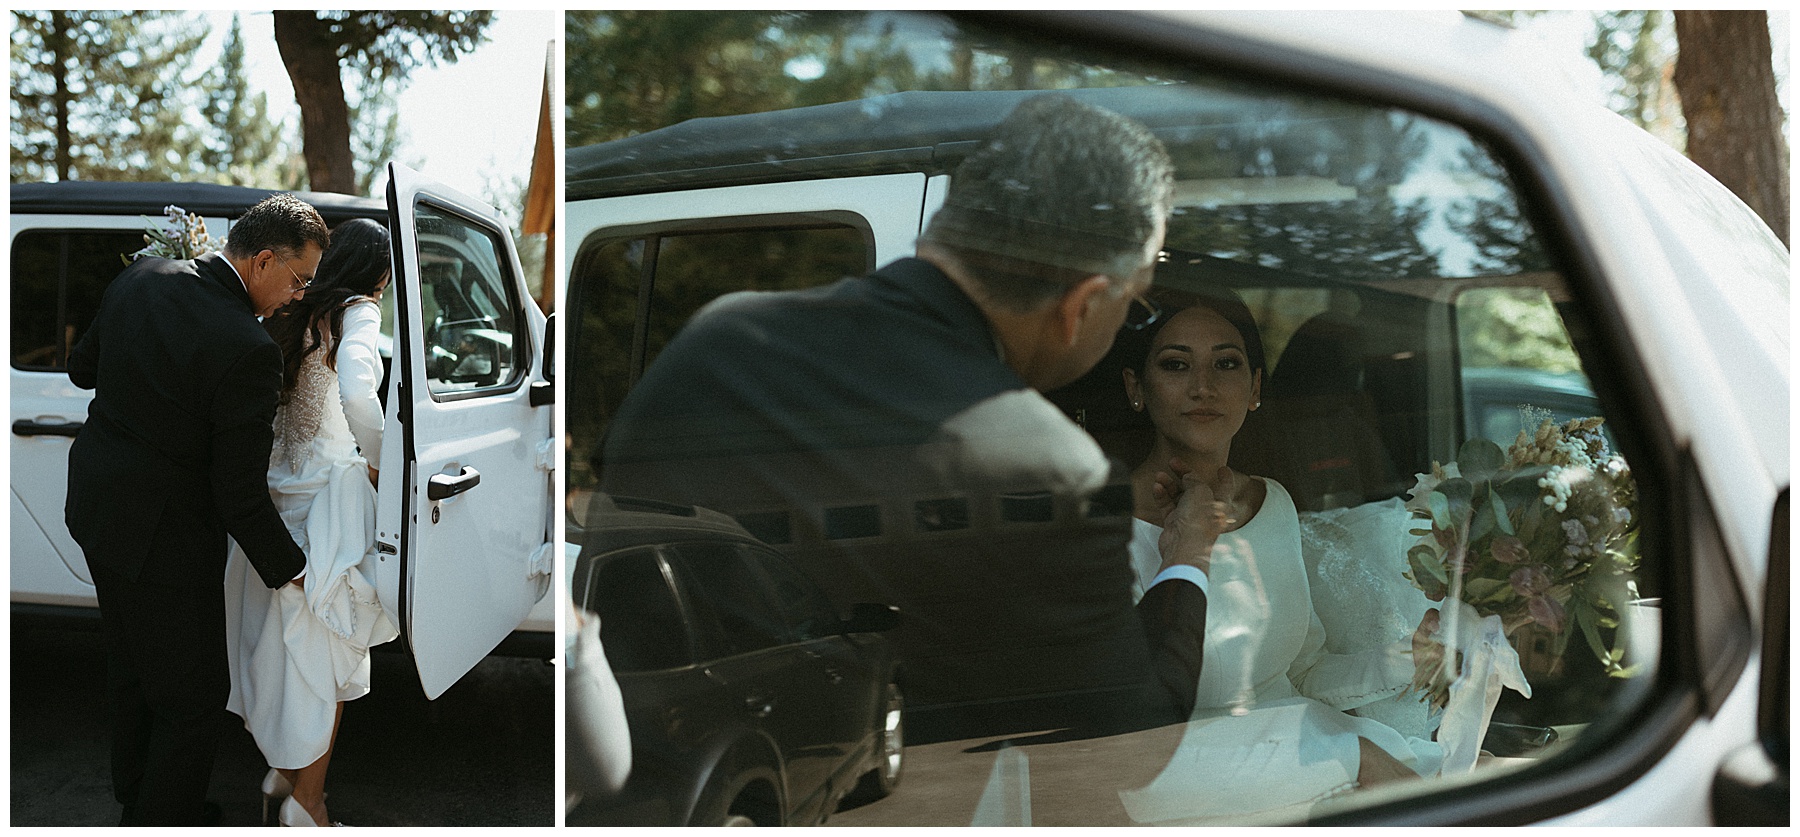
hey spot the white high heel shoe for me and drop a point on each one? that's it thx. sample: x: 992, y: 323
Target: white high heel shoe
x: 275, y: 789
x: 292, y: 814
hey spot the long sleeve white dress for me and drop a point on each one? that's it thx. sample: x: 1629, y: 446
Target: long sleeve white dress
x: 1269, y: 734
x: 296, y: 654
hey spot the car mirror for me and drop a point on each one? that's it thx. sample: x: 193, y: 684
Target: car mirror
x: 871, y: 618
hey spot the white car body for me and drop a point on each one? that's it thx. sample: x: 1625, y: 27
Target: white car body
x: 1688, y: 286
x: 470, y: 591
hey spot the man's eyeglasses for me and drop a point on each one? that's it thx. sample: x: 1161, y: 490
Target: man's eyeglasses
x: 1142, y: 313
x: 299, y: 283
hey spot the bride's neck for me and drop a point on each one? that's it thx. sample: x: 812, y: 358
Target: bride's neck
x: 1143, y: 477
x: 1196, y: 461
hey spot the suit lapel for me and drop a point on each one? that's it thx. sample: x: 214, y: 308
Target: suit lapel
x: 214, y: 267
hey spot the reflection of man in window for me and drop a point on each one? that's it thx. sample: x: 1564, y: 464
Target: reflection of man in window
x: 887, y: 431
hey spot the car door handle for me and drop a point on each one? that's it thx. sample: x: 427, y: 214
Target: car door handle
x: 443, y: 486
x: 27, y: 427
x: 760, y: 705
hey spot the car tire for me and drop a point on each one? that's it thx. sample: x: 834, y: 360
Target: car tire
x: 741, y: 792
x: 890, y: 747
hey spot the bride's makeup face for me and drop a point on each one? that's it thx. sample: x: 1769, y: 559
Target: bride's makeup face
x: 1197, y: 385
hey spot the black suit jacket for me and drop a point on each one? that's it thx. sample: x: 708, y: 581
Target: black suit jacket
x: 1174, y: 617
x: 174, y: 454
x: 870, y: 430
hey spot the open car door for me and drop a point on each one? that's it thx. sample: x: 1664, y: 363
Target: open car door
x: 465, y: 511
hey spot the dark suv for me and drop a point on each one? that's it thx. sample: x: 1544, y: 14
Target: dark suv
x: 750, y: 701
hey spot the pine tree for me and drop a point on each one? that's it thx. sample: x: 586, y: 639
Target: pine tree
x: 103, y: 95
x: 242, y: 146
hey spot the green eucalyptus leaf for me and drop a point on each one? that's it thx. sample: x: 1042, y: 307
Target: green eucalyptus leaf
x: 1484, y: 589
x: 1458, y: 490
x: 1482, y: 525
x: 1440, y: 509
x: 1480, y: 459
x: 1427, y: 572
x: 1501, y: 514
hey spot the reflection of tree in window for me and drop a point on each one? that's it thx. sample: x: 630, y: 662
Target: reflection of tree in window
x: 1357, y: 230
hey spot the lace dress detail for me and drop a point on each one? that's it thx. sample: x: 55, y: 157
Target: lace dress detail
x: 1355, y: 560
x: 297, y: 420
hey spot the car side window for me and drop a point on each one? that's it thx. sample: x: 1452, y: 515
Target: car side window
x: 808, y: 610
x: 731, y: 599
x: 630, y: 295
x: 474, y: 338
x: 641, y: 625
x: 1460, y: 576
x: 58, y: 277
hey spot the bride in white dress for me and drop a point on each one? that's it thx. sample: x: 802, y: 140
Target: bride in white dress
x: 1269, y: 733
x: 298, y: 651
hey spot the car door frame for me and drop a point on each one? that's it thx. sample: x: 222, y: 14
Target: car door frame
x: 420, y: 581
x: 1565, y: 191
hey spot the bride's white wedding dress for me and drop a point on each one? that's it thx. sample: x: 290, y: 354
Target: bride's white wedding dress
x: 294, y: 654
x: 1270, y: 733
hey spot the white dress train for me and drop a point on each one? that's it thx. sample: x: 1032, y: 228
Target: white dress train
x: 296, y: 654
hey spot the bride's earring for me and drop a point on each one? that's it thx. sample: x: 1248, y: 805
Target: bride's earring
x: 1137, y: 405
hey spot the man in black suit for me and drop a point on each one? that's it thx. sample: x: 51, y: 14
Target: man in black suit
x: 887, y: 431
x: 174, y: 457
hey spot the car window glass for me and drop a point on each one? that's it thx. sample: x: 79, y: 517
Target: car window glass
x: 1446, y: 561
x: 641, y: 626
x: 57, y: 280
x: 807, y: 608
x: 633, y: 294
x: 472, y: 338
x: 731, y: 599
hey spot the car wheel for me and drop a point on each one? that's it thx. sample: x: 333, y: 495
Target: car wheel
x: 884, y: 777
x: 738, y: 796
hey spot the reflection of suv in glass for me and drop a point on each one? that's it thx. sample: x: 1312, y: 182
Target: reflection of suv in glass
x: 1402, y: 203
x: 1494, y: 396
x: 476, y: 446
x: 750, y: 701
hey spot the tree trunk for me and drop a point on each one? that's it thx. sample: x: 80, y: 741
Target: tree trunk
x: 59, y: 59
x: 312, y: 64
x: 1726, y: 80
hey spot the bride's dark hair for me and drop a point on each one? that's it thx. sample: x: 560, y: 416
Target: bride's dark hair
x: 351, y: 269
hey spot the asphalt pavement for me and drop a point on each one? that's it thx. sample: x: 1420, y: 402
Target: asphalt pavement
x: 482, y: 754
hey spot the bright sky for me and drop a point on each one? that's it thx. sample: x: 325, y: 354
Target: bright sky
x: 464, y: 124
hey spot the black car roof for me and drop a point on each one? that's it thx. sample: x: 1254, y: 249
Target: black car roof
x: 616, y: 523
x: 928, y: 131
x: 148, y: 199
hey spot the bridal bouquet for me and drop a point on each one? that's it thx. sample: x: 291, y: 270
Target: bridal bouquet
x: 1543, y: 533
x: 185, y: 237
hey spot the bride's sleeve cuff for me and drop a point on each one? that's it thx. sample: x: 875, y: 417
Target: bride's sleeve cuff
x: 1187, y: 571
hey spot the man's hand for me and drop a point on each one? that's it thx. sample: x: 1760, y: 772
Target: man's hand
x: 374, y: 477
x: 1198, y: 510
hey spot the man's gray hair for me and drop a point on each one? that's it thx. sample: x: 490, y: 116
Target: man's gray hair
x: 1061, y: 190
x: 279, y: 222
